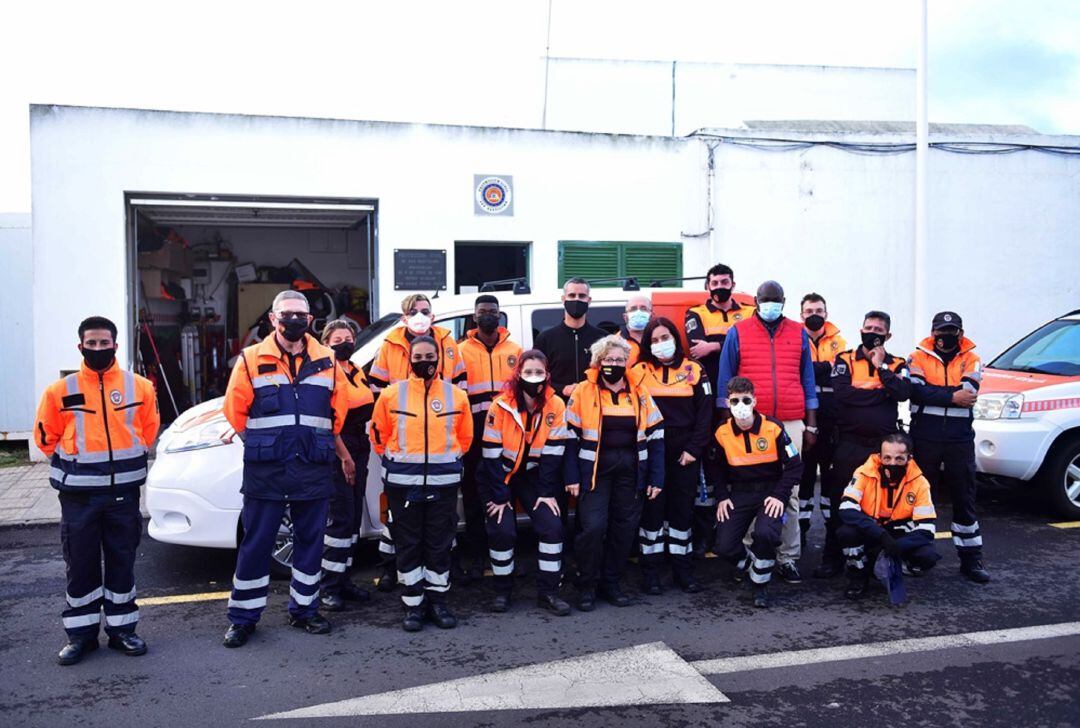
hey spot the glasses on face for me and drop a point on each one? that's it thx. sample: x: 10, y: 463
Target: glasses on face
x: 292, y: 315
x: 737, y: 400
x: 610, y: 362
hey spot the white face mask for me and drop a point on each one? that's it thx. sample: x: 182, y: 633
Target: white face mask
x: 742, y: 412
x: 665, y: 350
x: 418, y: 323
x: 533, y: 378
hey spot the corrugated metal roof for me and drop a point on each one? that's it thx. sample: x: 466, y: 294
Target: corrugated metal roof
x: 882, y: 127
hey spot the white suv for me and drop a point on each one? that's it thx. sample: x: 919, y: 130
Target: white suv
x: 1027, y: 418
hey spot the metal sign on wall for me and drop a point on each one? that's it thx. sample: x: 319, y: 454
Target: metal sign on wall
x: 419, y: 269
x: 493, y: 194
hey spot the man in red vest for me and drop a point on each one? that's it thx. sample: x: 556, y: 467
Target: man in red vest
x: 773, y: 352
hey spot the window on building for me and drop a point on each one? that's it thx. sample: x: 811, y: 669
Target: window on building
x: 593, y: 260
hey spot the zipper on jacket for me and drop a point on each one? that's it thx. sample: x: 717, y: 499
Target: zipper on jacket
x: 577, y: 352
x: 491, y: 370
x: 108, y: 436
x: 775, y: 383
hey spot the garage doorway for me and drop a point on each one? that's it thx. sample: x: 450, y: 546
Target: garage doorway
x: 203, y: 270
x: 480, y: 261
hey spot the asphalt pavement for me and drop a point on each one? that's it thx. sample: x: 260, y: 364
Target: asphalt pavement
x: 675, y: 660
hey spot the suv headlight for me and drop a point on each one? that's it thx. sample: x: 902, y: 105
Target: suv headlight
x: 201, y: 432
x: 998, y: 406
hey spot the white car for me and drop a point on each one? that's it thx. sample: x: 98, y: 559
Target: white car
x: 193, y: 489
x: 1027, y: 418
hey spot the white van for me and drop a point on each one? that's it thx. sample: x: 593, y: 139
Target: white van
x: 193, y: 489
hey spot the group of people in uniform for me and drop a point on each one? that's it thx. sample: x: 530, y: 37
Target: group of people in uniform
x: 654, y: 447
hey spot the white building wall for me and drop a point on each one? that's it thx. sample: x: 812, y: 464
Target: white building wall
x: 1002, y: 245
x: 566, y: 187
x: 635, y: 97
x: 17, y: 402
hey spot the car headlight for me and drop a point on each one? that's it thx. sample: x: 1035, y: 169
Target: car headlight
x: 202, y: 435
x: 998, y: 406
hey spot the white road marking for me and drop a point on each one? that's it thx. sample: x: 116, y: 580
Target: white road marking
x: 650, y: 674
x: 879, y: 649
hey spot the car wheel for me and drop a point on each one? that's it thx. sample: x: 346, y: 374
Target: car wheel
x: 282, y: 555
x: 1061, y: 477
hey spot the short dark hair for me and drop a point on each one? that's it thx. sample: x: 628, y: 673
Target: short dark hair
x: 97, y: 322
x: 646, y: 341
x: 899, y: 438
x: 881, y: 316
x: 740, y: 385
x: 718, y: 270
x: 485, y: 298
x: 813, y: 298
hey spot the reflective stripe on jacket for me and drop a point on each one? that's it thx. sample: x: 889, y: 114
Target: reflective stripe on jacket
x: 98, y: 428
x: 421, y: 431
x: 759, y: 459
x: 288, y: 419
x: 906, y: 508
x: 487, y: 371
x: 584, y: 418
x: 391, y: 364
x: 508, y: 449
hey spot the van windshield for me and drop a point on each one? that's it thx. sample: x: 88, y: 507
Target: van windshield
x: 1052, y: 349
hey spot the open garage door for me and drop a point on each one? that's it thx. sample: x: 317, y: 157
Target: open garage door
x: 203, y: 270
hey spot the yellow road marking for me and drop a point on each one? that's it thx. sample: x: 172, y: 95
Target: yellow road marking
x: 1065, y: 524
x: 941, y: 535
x: 182, y: 598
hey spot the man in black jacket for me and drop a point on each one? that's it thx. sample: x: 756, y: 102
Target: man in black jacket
x: 566, y: 344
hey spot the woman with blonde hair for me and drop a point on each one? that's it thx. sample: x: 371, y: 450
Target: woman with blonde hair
x: 613, y: 463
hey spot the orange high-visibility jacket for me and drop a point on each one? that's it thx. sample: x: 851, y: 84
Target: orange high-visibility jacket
x: 515, y: 441
x: 907, y: 507
x: 933, y: 414
x: 421, y: 431
x: 98, y: 428
x: 761, y: 459
x: 392, y: 362
x: 585, y: 411
x: 486, y: 371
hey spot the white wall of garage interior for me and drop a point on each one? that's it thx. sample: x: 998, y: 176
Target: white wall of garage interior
x: 1002, y: 248
x: 566, y: 186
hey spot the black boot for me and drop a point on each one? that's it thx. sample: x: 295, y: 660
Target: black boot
x: 587, y: 600
x: 129, y: 643
x: 331, y: 602
x: 651, y: 584
x: 414, y: 619
x: 688, y: 582
x: 388, y: 579
x: 553, y: 604
x: 857, y: 585
x: 238, y: 634
x: 761, y: 596
x: 501, y: 603
x: 353, y: 593
x: 315, y: 624
x: 76, y: 649
x: 973, y: 570
x: 615, y: 596
x: 828, y: 569
x: 440, y: 616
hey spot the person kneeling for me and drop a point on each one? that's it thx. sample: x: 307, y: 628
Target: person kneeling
x: 755, y: 470
x: 887, y: 507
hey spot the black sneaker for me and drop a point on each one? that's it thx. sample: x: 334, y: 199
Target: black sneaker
x: 789, y: 572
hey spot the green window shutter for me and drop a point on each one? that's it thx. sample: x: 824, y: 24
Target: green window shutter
x: 652, y: 261
x: 601, y: 259
x: 588, y: 260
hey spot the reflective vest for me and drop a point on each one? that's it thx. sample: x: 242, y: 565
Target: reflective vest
x: 755, y: 459
x: 391, y: 364
x: 487, y: 371
x: 508, y: 448
x: 906, y: 506
x: 942, y: 418
x: 825, y: 350
x: 360, y: 402
x: 863, y: 374
x: 589, y: 403
x: 635, y: 347
x: 714, y: 322
x: 98, y: 429
x: 774, y: 365
x: 288, y: 419
x: 421, y: 432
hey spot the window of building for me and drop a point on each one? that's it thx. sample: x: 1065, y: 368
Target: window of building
x: 592, y: 260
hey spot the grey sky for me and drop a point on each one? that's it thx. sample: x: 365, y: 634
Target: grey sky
x: 471, y: 62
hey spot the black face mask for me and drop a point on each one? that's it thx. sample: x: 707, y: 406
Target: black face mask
x: 423, y: 369
x: 946, y: 342
x: 344, y: 350
x: 532, y: 388
x: 613, y: 373
x: 893, y: 473
x: 720, y: 295
x: 293, y: 330
x: 99, y: 359
x: 487, y: 322
x: 576, y: 309
x: 815, y: 322
x: 870, y: 340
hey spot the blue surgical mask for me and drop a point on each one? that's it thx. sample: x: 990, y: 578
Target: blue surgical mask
x: 637, y: 320
x: 665, y: 350
x: 770, y: 310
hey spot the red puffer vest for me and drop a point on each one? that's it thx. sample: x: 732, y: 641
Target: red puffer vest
x: 773, y: 364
